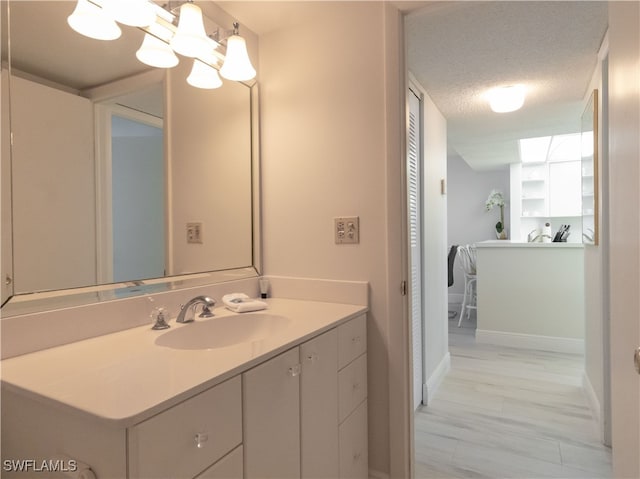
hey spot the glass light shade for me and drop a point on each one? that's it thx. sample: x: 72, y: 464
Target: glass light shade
x: 156, y: 53
x: 203, y: 76
x: 135, y: 13
x: 506, y: 99
x: 91, y: 21
x: 237, y: 66
x: 190, y: 39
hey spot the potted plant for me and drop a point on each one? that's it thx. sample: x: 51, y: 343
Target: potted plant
x: 497, y: 199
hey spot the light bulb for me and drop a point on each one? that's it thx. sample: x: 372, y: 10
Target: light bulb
x: 203, y: 76
x: 91, y: 21
x: 156, y: 53
x: 237, y: 66
x: 190, y: 39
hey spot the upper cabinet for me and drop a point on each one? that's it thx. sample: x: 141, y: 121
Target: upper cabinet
x: 547, y: 187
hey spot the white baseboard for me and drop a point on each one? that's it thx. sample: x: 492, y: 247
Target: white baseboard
x: 373, y: 474
x: 594, y: 402
x: 433, y: 382
x: 531, y: 341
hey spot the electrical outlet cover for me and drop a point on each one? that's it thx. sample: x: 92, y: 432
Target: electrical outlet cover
x: 347, y: 229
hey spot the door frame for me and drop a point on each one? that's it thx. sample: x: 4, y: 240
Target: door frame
x: 104, y: 112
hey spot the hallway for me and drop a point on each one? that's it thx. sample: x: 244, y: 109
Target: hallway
x: 507, y: 413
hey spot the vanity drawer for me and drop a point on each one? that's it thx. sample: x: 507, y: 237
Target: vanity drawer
x: 354, y: 457
x: 166, y: 445
x: 352, y: 340
x: 352, y: 387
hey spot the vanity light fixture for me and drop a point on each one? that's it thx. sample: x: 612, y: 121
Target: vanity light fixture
x: 156, y: 53
x: 190, y: 38
x: 89, y: 20
x: 204, y: 76
x: 237, y: 65
x: 506, y: 99
x: 163, y: 39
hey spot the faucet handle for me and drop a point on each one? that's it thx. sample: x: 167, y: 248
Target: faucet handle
x: 206, y: 312
x: 159, y: 314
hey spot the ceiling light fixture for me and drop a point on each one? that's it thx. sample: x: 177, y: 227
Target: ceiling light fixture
x: 163, y: 39
x: 89, y: 20
x: 506, y: 99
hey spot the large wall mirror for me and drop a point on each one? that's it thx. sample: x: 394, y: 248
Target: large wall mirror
x: 124, y: 179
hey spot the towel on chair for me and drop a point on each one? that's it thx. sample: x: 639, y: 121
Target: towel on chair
x: 241, y: 303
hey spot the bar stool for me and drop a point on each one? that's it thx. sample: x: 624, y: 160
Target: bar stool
x: 467, y: 255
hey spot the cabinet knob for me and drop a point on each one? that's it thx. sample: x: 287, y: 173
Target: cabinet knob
x: 355, y: 339
x: 312, y: 358
x: 200, y: 439
x: 295, y: 370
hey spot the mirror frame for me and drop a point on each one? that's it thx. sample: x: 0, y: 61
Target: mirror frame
x: 38, y: 302
x: 590, y: 173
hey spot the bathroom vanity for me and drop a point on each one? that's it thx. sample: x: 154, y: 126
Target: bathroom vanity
x: 288, y: 400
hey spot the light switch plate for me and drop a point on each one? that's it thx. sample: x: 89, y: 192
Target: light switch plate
x: 347, y: 229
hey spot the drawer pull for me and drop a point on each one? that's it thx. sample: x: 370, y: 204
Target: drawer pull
x: 356, y: 456
x: 312, y: 358
x: 201, y: 438
x: 295, y: 370
x: 356, y: 339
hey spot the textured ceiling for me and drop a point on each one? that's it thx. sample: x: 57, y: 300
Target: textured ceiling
x: 459, y: 50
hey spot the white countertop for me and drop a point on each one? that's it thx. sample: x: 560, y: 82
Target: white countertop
x: 124, y: 377
x: 519, y: 244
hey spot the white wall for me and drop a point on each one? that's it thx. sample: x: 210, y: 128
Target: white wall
x: 435, y: 250
x: 53, y: 222
x: 596, y: 268
x: 331, y: 127
x: 468, y: 221
x: 209, y: 146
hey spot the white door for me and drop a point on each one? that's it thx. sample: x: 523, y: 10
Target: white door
x: 624, y: 193
x: 271, y: 418
x: 414, y: 198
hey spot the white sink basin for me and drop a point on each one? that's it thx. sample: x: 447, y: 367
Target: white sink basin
x: 223, y: 331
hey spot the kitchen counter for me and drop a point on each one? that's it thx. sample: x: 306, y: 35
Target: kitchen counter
x: 531, y: 295
x: 520, y: 244
x: 123, y: 378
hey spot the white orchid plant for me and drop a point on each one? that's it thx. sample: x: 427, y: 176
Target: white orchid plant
x: 496, y: 198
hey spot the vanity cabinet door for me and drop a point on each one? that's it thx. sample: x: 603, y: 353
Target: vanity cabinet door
x: 271, y: 405
x: 319, y: 406
x: 354, y: 459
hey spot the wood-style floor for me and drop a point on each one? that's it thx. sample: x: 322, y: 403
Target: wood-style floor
x: 505, y: 413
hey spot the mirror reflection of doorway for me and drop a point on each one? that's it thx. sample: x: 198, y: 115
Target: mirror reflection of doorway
x: 132, y: 191
x: 138, y: 178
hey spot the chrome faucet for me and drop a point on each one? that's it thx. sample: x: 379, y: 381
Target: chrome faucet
x: 192, y: 304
